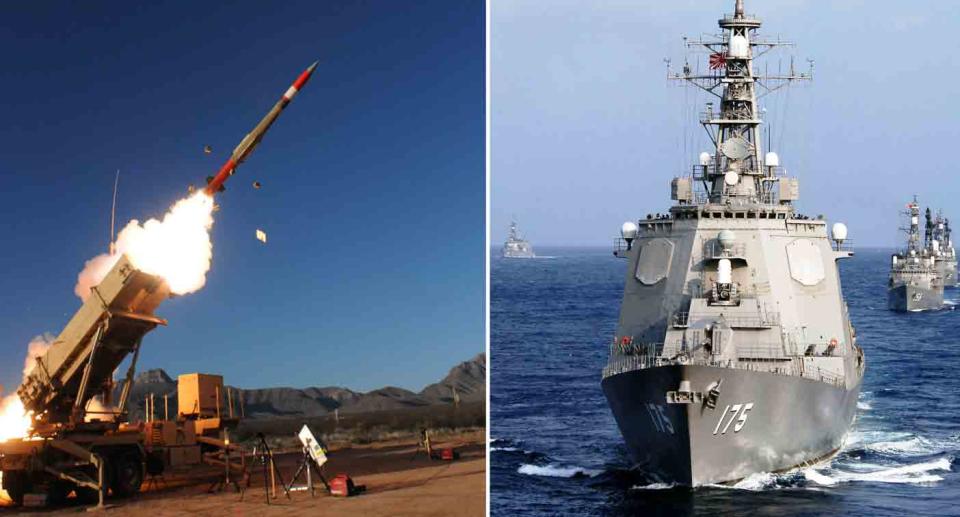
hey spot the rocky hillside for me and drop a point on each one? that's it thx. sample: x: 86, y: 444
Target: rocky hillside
x: 467, y: 378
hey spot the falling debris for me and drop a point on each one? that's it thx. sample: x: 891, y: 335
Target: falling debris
x: 261, y: 236
x: 257, y: 185
x: 207, y: 149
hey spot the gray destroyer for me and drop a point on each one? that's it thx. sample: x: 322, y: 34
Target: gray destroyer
x: 734, y: 352
x: 516, y: 246
x: 916, y: 283
x: 940, y: 245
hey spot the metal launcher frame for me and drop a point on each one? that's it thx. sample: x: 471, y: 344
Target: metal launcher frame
x: 108, y: 327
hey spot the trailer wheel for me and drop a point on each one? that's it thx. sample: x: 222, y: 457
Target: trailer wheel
x: 127, y: 475
x: 16, y: 483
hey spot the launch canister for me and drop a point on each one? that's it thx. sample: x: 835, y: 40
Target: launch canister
x: 249, y: 142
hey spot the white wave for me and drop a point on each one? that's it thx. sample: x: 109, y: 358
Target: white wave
x: 818, y: 478
x: 757, y: 481
x: 754, y: 482
x: 918, y: 473
x: 863, y: 438
x: 912, y: 446
x: 504, y: 449
x: 556, y: 471
x: 653, y: 486
x: 864, y: 406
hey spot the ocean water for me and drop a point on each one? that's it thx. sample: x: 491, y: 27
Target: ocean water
x: 556, y: 449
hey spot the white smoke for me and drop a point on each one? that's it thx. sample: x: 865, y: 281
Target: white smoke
x: 177, y: 248
x: 37, y: 347
x: 93, y: 272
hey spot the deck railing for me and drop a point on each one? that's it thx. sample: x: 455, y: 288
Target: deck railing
x: 763, y: 320
x: 626, y: 356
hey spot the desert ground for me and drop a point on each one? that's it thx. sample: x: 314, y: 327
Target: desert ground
x: 398, y: 480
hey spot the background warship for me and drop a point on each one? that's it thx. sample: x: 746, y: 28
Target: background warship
x: 734, y: 352
x: 941, y: 245
x: 516, y: 246
x: 916, y: 282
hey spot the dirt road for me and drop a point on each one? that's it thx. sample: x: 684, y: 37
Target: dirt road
x: 398, y: 483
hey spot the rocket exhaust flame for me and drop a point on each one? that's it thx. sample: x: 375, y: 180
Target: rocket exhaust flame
x: 14, y: 420
x: 176, y: 248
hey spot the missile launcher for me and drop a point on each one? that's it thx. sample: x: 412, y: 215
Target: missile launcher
x: 107, y: 328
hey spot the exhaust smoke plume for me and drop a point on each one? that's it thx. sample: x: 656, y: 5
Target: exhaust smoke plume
x: 177, y: 248
x: 37, y: 347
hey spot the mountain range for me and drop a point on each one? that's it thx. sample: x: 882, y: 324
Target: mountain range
x: 467, y: 378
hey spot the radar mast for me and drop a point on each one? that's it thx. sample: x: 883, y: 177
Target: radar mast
x: 734, y: 174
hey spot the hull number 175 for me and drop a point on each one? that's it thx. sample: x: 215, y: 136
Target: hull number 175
x: 736, y: 412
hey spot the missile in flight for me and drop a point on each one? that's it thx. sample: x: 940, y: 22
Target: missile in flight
x: 249, y: 142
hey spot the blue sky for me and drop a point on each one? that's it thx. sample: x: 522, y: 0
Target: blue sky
x: 586, y: 132
x: 373, y: 179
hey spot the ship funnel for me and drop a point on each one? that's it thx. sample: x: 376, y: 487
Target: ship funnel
x: 629, y: 232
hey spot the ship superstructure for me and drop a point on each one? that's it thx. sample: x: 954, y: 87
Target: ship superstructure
x: 915, y: 282
x: 515, y: 246
x: 734, y: 352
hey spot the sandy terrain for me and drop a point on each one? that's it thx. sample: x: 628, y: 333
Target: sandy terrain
x: 397, y: 483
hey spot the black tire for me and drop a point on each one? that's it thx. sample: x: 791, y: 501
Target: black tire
x: 127, y: 474
x: 154, y: 463
x: 16, y: 483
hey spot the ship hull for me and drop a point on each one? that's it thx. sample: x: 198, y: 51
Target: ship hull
x: 520, y: 255
x: 792, y: 422
x: 521, y: 251
x: 905, y: 297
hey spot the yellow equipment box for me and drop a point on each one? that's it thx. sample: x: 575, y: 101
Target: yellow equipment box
x: 200, y: 395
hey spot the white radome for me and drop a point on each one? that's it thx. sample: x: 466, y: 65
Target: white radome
x: 772, y: 159
x: 629, y: 230
x: 705, y: 158
x: 839, y: 232
x: 731, y: 178
x: 726, y: 238
x: 739, y: 47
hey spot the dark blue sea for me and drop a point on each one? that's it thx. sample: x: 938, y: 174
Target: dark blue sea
x: 556, y: 449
